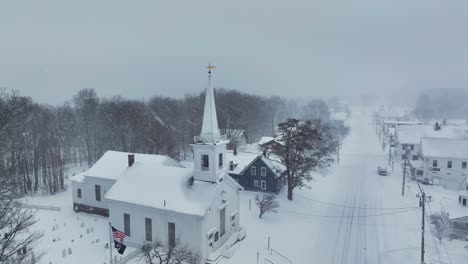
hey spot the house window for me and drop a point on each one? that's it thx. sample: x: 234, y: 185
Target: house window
x: 263, y: 171
x: 97, y: 190
x: 253, y: 170
x: 127, y: 224
x: 412, y: 147
x: 220, y: 160
x: 148, y: 229
x: 434, y: 163
x: 464, y: 202
x: 79, y: 193
x: 263, y: 187
x: 171, y: 234
x: 403, y: 156
x: 449, y: 164
x: 222, y: 222
x: 216, y: 236
x: 205, y: 164
x: 464, y: 165
x: 419, y: 172
x: 255, y: 183
x: 415, y: 157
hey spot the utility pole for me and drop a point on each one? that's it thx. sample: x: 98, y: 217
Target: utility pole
x: 422, y: 204
x: 338, y: 152
x: 404, y: 172
x: 390, y: 150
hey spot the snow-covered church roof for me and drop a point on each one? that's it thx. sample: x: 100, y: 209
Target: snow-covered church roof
x: 163, y: 187
x: 113, y: 163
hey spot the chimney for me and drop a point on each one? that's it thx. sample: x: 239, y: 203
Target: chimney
x: 264, y: 152
x: 235, y: 151
x: 131, y: 159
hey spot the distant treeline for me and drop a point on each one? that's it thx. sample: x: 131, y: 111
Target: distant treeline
x: 38, y: 141
x: 442, y: 104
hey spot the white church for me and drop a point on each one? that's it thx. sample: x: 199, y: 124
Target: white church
x: 161, y: 201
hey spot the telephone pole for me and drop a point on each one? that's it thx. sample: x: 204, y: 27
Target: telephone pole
x: 390, y: 141
x: 404, y: 172
x: 422, y: 204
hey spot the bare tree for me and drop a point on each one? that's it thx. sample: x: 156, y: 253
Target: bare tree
x: 159, y: 253
x: 17, y: 240
x: 303, y: 146
x: 266, y: 203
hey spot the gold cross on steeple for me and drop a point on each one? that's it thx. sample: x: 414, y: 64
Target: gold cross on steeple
x: 210, y: 67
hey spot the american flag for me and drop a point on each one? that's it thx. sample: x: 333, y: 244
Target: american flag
x: 117, y: 234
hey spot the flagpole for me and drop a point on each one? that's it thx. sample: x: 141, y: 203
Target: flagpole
x: 110, y: 242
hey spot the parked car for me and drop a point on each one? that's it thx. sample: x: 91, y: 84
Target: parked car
x: 426, y: 181
x: 382, y: 171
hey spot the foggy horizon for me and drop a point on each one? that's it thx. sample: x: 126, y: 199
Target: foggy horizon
x: 51, y: 49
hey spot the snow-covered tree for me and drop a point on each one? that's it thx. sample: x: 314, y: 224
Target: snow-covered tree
x: 303, y: 146
x: 160, y: 253
x: 266, y: 203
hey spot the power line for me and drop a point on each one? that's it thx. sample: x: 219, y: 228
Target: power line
x: 357, y: 207
x: 442, y: 242
x: 339, y: 216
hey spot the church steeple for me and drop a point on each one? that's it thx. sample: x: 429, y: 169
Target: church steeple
x: 209, y: 148
x: 210, y: 132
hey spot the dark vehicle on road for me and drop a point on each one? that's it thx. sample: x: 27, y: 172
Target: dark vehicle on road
x: 382, y: 171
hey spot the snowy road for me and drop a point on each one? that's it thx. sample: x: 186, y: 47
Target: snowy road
x: 365, y: 207
x: 350, y: 214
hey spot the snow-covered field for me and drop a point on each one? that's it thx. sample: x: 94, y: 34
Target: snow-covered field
x: 350, y: 215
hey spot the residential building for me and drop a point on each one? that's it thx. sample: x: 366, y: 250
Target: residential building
x: 257, y: 171
x: 444, y: 161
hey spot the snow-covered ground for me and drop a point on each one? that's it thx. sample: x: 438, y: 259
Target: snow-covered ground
x: 349, y: 215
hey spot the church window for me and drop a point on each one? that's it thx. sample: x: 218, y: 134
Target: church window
x: 220, y: 160
x: 171, y: 234
x: 127, y: 224
x: 148, y: 229
x: 79, y: 193
x: 97, y: 190
x: 205, y: 162
x: 222, y: 220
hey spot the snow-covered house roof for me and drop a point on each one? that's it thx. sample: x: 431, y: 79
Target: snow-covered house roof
x: 113, y: 163
x: 163, y: 187
x: 242, y: 160
x: 265, y: 140
x: 413, y: 134
x: 455, y: 211
x: 443, y: 147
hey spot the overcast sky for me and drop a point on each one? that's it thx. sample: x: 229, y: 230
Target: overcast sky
x: 51, y: 49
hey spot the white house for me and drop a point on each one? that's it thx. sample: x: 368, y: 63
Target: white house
x: 409, y: 137
x: 90, y: 187
x: 445, y: 161
x: 197, y: 207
